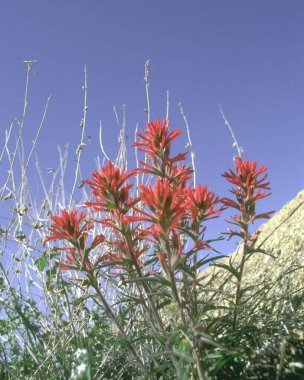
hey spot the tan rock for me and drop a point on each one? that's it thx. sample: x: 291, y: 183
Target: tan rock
x: 282, y: 237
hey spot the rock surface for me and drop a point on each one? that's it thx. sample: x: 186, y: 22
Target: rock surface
x: 282, y: 237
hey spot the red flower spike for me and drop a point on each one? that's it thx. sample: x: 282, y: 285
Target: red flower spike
x: 155, y: 140
x: 161, y: 257
x: 250, y: 188
x: 202, y: 204
x: 65, y: 266
x: 246, y: 177
x: 70, y: 226
x: 177, y: 243
x: 167, y: 205
x: 201, y: 244
x: 110, y: 189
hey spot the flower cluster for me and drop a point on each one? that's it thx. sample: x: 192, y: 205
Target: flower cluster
x: 156, y: 144
x: 172, y: 207
x: 72, y: 227
x: 110, y: 189
x: 111, y: 193
x: 167, y: 212
x: 250, y: 187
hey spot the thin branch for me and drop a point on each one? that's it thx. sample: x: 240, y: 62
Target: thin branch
x: 25, y: 166
x: 137, y: 161
x: 21, y: 124
x: 189, y: 144
x: 121, y: 159
x: 235, y: 144
x: 100, y: 142
x: 82, y: 144
x: 146, y: 79
x: 167, y: 104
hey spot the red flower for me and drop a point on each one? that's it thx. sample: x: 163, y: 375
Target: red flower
x: 161, y: 257
x: 250, y: 188
x: 167, y: 206
x: 156, y: 143
x: 98, y: 239
x: 110, y: 189
x: 155, y: 140
x: 246, y: 178
x: 201, y: 244
x: 202, y: 203
x: 70, y: 226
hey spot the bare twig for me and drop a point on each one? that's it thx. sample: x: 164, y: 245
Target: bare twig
x: 146, y: 79
x: 189, y: 144
x: 82, y: 144
x: 235, y: 144
x: 21, y: 124
x: 168, y: 104
x: 100, y: 142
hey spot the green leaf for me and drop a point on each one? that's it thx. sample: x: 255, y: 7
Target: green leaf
x: 54, y: 255
x: 51, y: 272
x: 163, y: 304
x: 127, y: 262
x: 230, y: 268
x: 206, y: 260
x: 80, y: 300
x: 41, y: 263
x: 153, y: 260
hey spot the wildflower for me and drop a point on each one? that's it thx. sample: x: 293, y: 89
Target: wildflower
x: 71, y: 262
x: 155, y: 140
x: 200, y: 244
x: 246, y: 176
x: 167, y: 206
x: 70, y: 226
x: 202, y: 203
x: 110, y: 189
x: 250, y: 188
x: 73, y: 228
x: 156, y: 144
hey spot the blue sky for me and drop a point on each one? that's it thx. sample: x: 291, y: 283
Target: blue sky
x: 246, y: 55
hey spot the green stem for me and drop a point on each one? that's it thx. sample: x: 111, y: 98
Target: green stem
x: 238, y: 294
x: 200, y: 371
x: 109, y: 311
x: 145, y: 286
